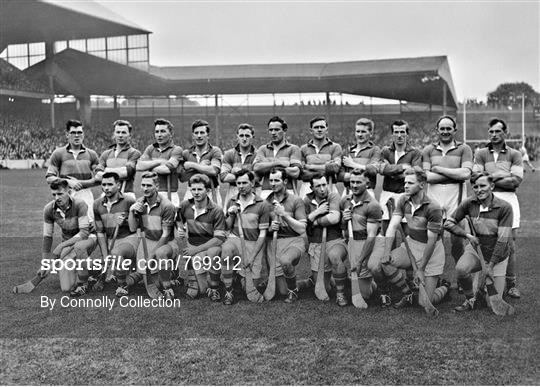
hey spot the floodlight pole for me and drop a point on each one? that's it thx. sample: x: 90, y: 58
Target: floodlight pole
x: 444, y: 96
x: 51, y: 86
x: 465, y: 121
x: 327, y: 108
x: 216, y: 114
x: 523, y: 119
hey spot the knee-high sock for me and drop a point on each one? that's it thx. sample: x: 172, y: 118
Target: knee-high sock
x: 396, y: 278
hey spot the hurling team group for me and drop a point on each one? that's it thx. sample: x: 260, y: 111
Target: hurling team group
x: 282, y: 205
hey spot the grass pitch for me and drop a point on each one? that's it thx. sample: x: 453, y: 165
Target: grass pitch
x: 272, y: 343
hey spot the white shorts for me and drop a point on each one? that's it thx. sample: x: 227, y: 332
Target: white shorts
x: 86, y: 195
x: 499, y: 270
x: 264, y: 193
x: 435, y: 266
x: 385, y: 196
x: 305, y: 188
x: 234, y: 242
x: 314, y: 252
x: 511, y: 198
x: 376, y: 254
x: 447, y: 195
x: 174, y: 197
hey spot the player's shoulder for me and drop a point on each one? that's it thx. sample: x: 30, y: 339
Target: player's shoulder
x: 78, y: 203
x: 48, y: 209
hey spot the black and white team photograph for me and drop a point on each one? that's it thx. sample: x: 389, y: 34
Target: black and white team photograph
x: 269, y: 192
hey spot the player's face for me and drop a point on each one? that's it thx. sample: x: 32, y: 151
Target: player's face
x: 362, y: 134
x: 446, y: 130
x: 121, y: 135
x: 358, y: 184
x: 244, y: 185
x: 482, y: 188
x: 320, y: 188
x: 200, y: 136
x: 162, y: 134
x: 149, y: 187
x: 276, y: 132
x: 75, y: 136
x: 399, y: 133
x: 412, y: 185
x: 61, y: 197
x: 109, y: 187
x: 319, y: 130
x: 244, y: 137
x: 276, y: 182
x: 496, y: 134
x: 199, y: 192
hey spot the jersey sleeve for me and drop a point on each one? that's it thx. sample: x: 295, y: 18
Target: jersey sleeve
x: 55, y: 162
x: 426, y: 158
x: 467, y: 157
x: 374, y: 213
x: 220, y: 228
x: 434, y: 216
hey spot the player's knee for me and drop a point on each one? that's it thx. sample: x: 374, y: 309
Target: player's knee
x: 214, y: 251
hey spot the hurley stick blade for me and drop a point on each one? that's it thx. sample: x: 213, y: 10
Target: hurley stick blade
x: 28, y: 286
x: 357, y: 299
x: 252, y: 293
x: 320, y: 289
x: 270, y: 291
x: 151, y: 288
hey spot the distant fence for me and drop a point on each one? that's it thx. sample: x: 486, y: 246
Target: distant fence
x: 22, y: 164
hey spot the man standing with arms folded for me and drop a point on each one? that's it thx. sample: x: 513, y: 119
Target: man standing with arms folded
x: 278, y: 153
x: 320, y: 156
x: 363, y: 155
x: 238, y: 158
x: 121, y: 158
x: 203, y: 158
x: 505, y: 167
x: 163, y: 158
x: 448, y: 164
x: 75, y: 163
x: 395, y: 159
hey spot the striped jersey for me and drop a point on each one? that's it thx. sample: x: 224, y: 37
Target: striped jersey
x: 314, y: 233
x: 233, y: 158
x: 508, y: 160
x: 294, y: 206
x: 367, y: 155
x: 365, y: 210
x: 126, y: 157
x: 329, y: 155
x: 158, y: 217
x: 202, y: 227
x: 173, y: 154
x: 427, y: 216
x: 71, y: 220
x: 66, y: 162
x: 493, y: 225
x: 210, y: 156
x: 105, y: 214
x: 287, y: 151
x: 392, y: 169
x: 458, y: 156
x: 255, y: 217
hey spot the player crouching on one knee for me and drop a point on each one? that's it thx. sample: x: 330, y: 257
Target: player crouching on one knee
x: 424, y: 225
x: 288, y: 219
x: 255, y: 213
x: 78, y: 238
x: 365, y: 213
x: 118, y: 244
x: 155, y: 214
x: 203, y: 222
x: 492, y: 220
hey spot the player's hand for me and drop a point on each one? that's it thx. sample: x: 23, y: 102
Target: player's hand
x: 137, y: 207
x: 188, y: 165
x: 162, y: 170
x: 274, y: 225
x: 348, y: 162
x: 347, y: 214
x: 420, y: 277
x: 279, y: 210
x: 99, y: 176
x: 74, y: 184
x: 190, y: 251
x: 475, y: 242
x: 435, y: 169
x: 205, y: 162
x: 120, y: 218
x: 385, y: 258
x: 181, y: 231
x: 233, y: 210
x: 235, y: 170
x: 488, y: 272
x: 323, y: 209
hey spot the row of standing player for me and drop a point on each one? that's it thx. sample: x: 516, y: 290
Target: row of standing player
x: 447, y: 163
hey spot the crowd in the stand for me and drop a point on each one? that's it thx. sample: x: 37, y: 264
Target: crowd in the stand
x: 12, y: 78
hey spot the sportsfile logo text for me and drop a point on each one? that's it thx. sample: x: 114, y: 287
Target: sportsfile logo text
x: 113, y: 262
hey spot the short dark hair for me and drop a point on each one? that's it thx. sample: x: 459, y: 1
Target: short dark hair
x: 199, y: 178
x: 163, y: 121
x: 245, y: 126
x: 318, y: 118
x: 123, y: 123
x: 316, y: 176
x: 446, y: 116
x: 59, y: 183
x: 72, y: 124
x: 495, y: 121
x: 150, y: 175
x: 421, y: 176
x: 477, y: 175
x: 399, y: 123
x: 359, y: 172
x: 245, y: 171
x: 108, y: 175
x: 198, y: 123
x: 279, y: 170
x: 280, y: 120
x: 366, y: 122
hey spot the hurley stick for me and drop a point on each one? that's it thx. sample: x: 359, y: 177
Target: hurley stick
x: 252, y: 293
